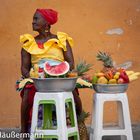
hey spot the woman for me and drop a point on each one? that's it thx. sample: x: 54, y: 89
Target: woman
x: 44, y: 45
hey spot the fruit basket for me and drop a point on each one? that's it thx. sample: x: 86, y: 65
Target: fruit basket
x: 110, y: 88
x: 55, y: 84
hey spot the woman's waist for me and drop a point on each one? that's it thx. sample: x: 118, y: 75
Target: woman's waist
x: 51, y: 58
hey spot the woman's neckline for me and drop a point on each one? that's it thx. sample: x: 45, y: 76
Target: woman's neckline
x: 42, y: 41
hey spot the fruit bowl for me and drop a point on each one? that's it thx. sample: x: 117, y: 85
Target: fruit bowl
x: 110, y: 88
x: 55, y: 84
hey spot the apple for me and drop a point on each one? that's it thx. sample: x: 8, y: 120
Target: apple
x: 120, y: 81
x: 124, y: 76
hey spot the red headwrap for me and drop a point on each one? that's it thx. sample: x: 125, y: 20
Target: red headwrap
x: 49, y: 15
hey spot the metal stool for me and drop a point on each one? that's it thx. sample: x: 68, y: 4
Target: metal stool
x: 60, y: 130
x: 124, y: 129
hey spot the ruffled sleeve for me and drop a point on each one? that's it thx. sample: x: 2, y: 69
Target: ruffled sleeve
x: 30, y: 45
x: 27, y: 41
x: 62, y: 37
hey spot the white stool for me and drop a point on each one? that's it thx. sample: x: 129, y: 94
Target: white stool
x: 61, y: 131
x: 124, y: 129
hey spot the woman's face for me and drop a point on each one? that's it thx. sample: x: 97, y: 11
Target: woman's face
x: 39, y: 23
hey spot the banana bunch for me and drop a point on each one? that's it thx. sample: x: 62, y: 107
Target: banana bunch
x: 132, y: 75
x: 82, y: 82
x: 24, y: 82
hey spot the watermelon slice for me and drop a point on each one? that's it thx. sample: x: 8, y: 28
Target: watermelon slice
x: 56, y: 70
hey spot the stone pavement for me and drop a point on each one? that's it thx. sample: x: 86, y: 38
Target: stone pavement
x: 3, y: 131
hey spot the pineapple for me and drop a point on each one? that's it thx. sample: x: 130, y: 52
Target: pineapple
x: 107, y: 62
x: 81, y: 125
x: 82, y: 67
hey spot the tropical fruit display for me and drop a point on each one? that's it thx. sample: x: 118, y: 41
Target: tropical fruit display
x: 110, y: 74
x: 118, y: 77
x: 62, y: 70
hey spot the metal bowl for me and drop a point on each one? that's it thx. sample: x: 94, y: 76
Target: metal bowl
x: 110, y: 88
x: 54, y: 84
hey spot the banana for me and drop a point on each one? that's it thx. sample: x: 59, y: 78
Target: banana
x: 116, y: 76
x: 136, y: 74
x: 129, y: 72
x: 83, y: 82
x: 23, y: 82
x: 132, y: 77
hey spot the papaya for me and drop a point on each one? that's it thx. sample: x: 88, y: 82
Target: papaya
x: 109, y: 75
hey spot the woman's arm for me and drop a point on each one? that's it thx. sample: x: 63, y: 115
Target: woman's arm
x: 25, y: 63
x: 68, y: 56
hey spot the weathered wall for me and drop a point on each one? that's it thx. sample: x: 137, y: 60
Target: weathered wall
x: 87, y: 22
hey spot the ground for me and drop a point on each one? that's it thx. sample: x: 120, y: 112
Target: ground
x: 135, y: 128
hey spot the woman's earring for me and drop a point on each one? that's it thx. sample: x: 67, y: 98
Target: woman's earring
x: 46, y: 30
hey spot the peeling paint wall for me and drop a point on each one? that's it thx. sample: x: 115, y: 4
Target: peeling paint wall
x: 111, y: 26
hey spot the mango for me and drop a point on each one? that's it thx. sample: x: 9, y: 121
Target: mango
x: 116, y: 76
x: 112, y: 81
x: 118, y: 73
x: 102, y: 80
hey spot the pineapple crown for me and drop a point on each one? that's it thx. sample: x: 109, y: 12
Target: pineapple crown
x: 105, y: 58
x: 83, y: 116
x: 82, y: 67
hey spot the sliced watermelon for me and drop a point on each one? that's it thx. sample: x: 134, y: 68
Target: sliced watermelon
x: 56, y: 70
